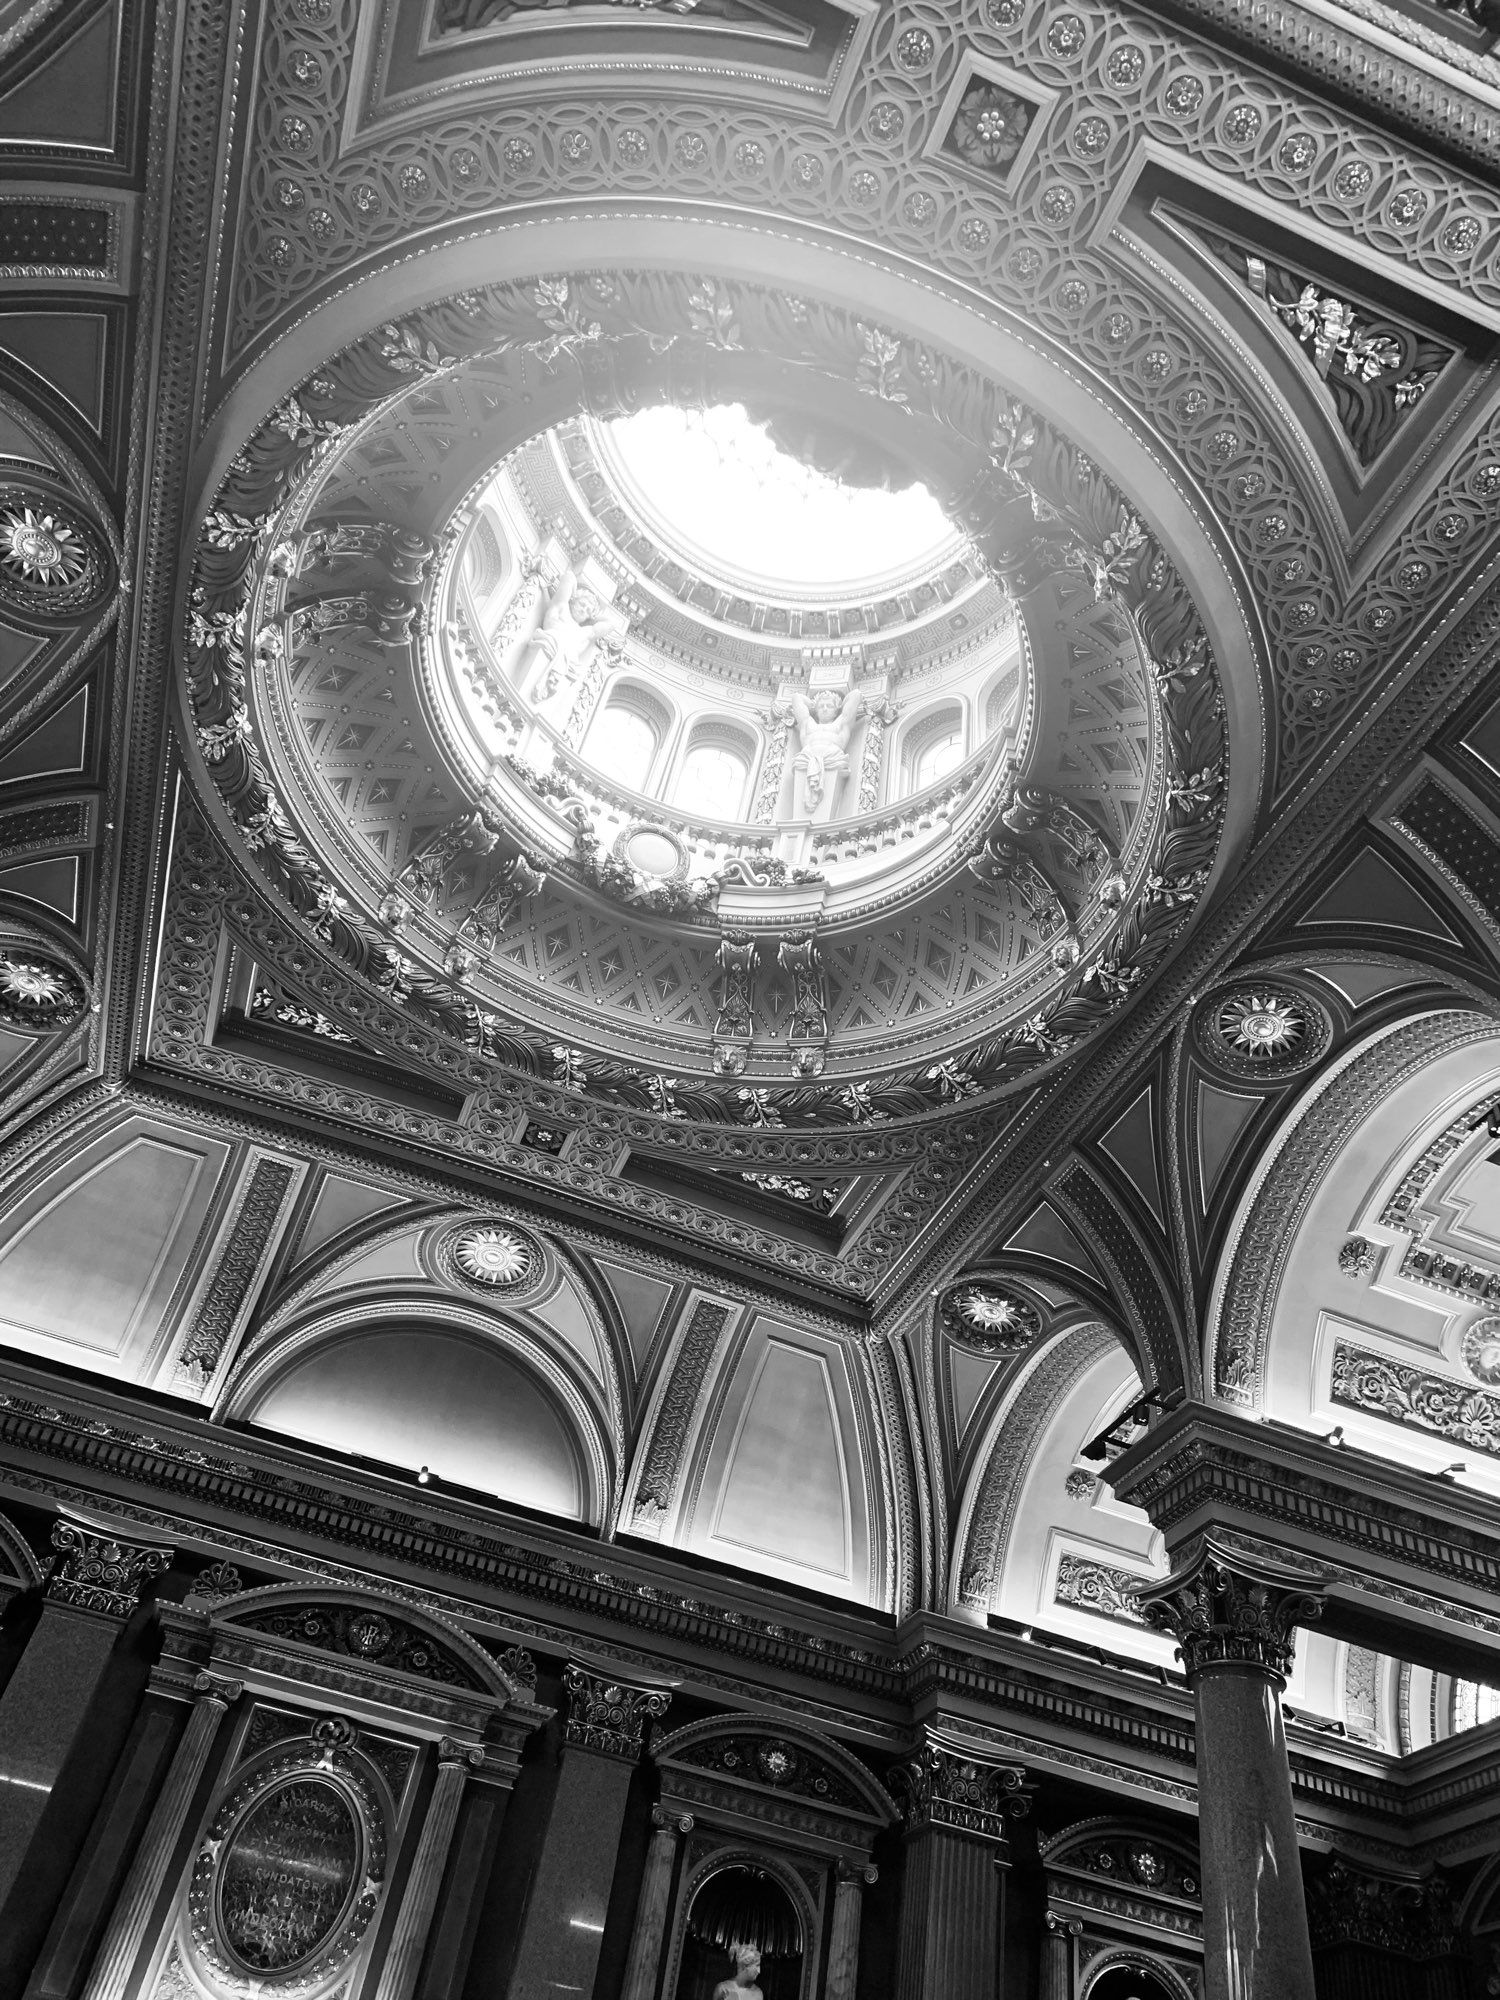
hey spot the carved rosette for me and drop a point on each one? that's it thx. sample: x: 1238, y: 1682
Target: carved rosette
x: 96, y: 1572
x: 488, y: 1254
x: 37, y: 993
x: 52, y: 564
x: 988, y: 1318
x: 1264, y: 1029
x: 610, y: 1716
x: 1226, y: 1610
x: 946, y: 1788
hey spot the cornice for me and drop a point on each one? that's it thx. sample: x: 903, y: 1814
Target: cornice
x: 649, y: 1618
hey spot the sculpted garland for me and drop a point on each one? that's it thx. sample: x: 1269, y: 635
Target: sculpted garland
x: 1035, y: 507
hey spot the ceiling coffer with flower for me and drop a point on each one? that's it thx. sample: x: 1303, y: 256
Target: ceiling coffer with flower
x: 369, y: 756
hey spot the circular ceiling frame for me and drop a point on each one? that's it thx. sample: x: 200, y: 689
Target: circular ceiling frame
x: 1171, y: 512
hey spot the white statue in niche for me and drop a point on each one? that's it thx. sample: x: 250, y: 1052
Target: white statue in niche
x: 824, y: 727
x: 745, y: 1984
x: 562, y: 647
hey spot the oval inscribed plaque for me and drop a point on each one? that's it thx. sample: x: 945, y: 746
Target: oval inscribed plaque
x: 288, y: 1874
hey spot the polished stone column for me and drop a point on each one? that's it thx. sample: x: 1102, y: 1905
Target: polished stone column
x: 569, y: 1898
x: 94, y: 1587
x: 651, y: 1909
x: 1232, y: 1617
x: 114, y: 1962
x: 843, y: 1942
x: 955, y: 1806
x: 403, y: 1958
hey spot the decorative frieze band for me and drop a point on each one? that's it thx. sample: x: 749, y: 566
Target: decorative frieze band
x: 1462, y: 1412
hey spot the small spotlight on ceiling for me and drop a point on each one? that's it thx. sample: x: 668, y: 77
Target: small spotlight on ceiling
x: 424, y: 1477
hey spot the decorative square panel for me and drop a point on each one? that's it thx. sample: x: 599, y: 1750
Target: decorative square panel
x: 990, y: 123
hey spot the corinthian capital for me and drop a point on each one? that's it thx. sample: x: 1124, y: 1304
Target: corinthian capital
x: 610, y: 1715
x: 96, y: 1571
x: 947, y: 1787
x: 1226, y: 1609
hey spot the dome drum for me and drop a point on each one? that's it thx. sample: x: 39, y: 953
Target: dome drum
x: 487, y: 735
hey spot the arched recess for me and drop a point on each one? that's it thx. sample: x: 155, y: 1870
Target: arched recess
x: 786, y: 1878
x: 1365, y: 1251
x: 417, y: 1379
x: 1040, y: 1539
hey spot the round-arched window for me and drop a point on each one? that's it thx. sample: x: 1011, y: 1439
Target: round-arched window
x: 934, y: 747
x: 713, y: 780
x: 623, y: 744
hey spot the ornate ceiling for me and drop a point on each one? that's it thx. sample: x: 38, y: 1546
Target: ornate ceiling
x: 819, y: 1171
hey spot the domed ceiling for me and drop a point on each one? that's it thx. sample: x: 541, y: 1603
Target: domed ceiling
x: 513, y: 665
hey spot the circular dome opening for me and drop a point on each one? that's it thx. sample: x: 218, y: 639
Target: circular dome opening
x: 720, y: 489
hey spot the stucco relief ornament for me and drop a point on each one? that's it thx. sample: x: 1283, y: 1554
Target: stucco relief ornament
x: 989, y: 1320
x: 1264, y: 1030
x: 1481, y: 1349
x: 490, y: 1256
x: 48, y: 563
x: 37, y: 993
x: 1357, y: 1257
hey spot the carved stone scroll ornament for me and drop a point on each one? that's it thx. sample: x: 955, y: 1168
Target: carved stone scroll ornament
x: 95, y: 1571
x: 945, y: 1788
x: 734, y: 1024
x: 509, y: 887
x: 807, y: 1035
x: 1226, y: 1611
x: 610, y: 1716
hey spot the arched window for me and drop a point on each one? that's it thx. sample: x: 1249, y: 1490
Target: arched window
x: 626, y: 735
x: 934, y: 747
x: 715, y: 774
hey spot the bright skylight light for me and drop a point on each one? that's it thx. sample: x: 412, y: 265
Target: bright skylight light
x: 718, y: 483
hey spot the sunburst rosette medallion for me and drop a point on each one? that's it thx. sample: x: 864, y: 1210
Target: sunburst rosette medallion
x: 1264, y: 1029
x: 988, y: 1318
x: 38, y: 994
x: 51, y: 562
x: 488, y: 1255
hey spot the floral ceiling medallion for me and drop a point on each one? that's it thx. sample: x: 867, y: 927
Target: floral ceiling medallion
x: 37, y: 993
x: 1265, y: 1030
x: 1481, y: 1350
x: 491, y: 1256
x: 989, y: 1320
x: 50, y: 563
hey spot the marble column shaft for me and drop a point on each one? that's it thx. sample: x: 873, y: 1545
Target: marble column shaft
x: 403, y: 1958
x: 568, y: 1900
x: 1233, y: 1617
x: 1057, y: 1971
x: 114, y: 1962
x: 843, y: 1942
x: 950, y: 1918
x: 92, y: 1592
x: 651, y: 1908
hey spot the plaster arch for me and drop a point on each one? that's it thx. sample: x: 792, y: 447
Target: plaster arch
x: 549, y: 1399
x: 1016, y: 1521
x: 1356, y: 1155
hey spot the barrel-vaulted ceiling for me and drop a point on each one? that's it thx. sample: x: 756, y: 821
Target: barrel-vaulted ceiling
x: 803, y: 1177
